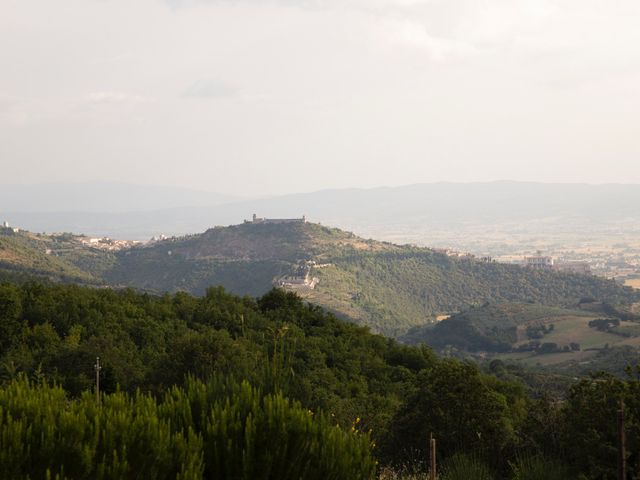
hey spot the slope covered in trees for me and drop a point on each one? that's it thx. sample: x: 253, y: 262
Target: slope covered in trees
x: 387, y: 287
x: 31, y: 254
x: 384, y: 286
x: 281, y: 348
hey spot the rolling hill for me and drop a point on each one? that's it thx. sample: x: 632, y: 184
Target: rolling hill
x: 493, y: 327
x: 388, y: 287
x: 60, y: 258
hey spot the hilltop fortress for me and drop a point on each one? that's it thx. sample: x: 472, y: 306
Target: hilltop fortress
x: 256, y: 219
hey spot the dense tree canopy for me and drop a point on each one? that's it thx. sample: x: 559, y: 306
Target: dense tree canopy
x: 285, y: 348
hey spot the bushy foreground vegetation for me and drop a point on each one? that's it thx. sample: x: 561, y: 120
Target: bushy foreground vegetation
x: 223, y: 387
x: 213, y: 430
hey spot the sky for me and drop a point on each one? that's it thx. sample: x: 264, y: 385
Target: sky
x: 262, y: 97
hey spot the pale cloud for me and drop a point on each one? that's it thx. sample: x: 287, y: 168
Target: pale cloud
x: 413, y: 34
x: 109, y: 97
x: 493, y: 22
x: 534, y: 27
x: 381, y: 91
x: 210, y: 88
x: 315, y: 4
x: 12, y: 111
x: 7, y: 102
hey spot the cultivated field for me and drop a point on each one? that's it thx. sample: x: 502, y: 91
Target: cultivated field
x: 574, y: 329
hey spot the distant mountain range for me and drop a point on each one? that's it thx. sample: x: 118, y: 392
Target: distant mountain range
x: 102, y: 197
x: 126, y: 211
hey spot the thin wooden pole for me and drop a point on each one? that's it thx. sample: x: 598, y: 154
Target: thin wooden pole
x: 622, y: 460
x: 98, y: 368
x: 429, y: 454
x: 432, y: 462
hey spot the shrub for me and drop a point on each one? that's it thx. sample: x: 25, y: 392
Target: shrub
x: 248, y: 435
x: 465, y: 467
x: 221, y: 429
x: 43, y: 434
x: 536, y: 467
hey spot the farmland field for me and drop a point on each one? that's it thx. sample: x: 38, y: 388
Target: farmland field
x: 574, y: 329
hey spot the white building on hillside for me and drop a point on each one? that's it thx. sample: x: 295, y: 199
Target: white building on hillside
x: 539, y: 262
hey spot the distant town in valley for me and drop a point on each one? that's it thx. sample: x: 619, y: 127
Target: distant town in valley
x: 612, y: 253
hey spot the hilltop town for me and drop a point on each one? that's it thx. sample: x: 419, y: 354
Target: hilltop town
x: 276, y: 221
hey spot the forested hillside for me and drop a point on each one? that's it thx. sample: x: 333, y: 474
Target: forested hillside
x: 396, y: 290
x: 387, y: 287
x: 29, y: 254
x: 286, y: 351
x: 58, y: 257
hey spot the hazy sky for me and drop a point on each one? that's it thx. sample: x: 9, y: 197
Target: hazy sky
x: 259, y: 96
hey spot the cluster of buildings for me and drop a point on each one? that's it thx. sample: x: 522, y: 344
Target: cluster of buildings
x: 534, y: 262
x: 301, y: 277
x: 293, y: 281
x: 159, y: 238
x: 108, y: 244
x: 545, y: 262
x: 6, y: 228
x: 256, y: 219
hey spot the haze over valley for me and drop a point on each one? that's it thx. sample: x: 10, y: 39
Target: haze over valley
x: 508, y: 221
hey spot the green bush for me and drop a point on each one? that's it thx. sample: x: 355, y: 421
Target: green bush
x: 465, y: 467
x: 44, y: 434
x: 222, y: 429
x: 536, y: 467
x: 248, y: 435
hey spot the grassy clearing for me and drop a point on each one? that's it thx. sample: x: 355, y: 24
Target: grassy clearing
x: 632, y: 342
x: 576, y: 329
x: 568, y: 329
x: 557, y: 358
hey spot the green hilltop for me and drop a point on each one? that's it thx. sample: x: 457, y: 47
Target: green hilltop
x: 388, y: 287
x: 62, y: 257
